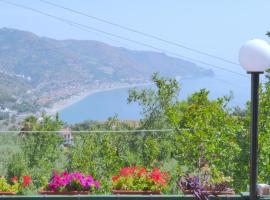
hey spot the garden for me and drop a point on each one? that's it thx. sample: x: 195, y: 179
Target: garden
x: 193, y: 148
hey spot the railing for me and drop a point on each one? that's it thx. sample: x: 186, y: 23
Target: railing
x: 241, y: 196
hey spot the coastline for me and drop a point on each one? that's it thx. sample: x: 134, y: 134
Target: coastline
x: 62, y: 104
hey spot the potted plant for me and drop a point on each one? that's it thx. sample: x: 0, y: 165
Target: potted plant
x: 70, y: 184
x: 210, y: 182
x: 134, y: 180
x: 14, y: 185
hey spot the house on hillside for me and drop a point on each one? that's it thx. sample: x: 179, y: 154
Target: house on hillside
x: 67, y: 135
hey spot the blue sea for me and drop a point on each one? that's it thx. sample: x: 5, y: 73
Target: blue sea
x: 100, y: 106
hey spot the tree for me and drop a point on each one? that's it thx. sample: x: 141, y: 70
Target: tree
x: 264, y: 132
x: 204, y: 128
x: 40, y: 146
x: 154, y: 102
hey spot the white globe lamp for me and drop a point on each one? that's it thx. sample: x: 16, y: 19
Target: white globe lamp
x: 254, y: 55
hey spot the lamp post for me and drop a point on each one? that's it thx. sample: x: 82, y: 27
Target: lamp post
x: 254, y: 56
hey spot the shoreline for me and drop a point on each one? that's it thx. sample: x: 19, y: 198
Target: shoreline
x: 62, y: 104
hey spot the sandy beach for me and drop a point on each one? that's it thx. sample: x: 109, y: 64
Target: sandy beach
x: 62, y: 104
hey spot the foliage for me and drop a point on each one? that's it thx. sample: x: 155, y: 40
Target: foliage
x: 155, y: 102
x: 16, y: 166
x: 204, y: 128
x: 263, y: 129
x: 15, y: 185
x: 40, y: 151
x: 140, y: 179
x: 6, y: 187
x: 9, y: 145
x: 264, y: 133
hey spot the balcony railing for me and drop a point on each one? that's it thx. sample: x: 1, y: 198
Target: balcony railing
x: 242, y: 196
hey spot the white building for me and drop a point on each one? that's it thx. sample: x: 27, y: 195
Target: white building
x: 67, y: 135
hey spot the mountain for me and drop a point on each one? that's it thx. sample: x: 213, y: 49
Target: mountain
x: 52, y: 69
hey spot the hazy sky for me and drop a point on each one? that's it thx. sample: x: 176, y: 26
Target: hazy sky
x: 216, y: 27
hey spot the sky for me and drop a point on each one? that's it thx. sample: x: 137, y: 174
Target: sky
x: 215, y: 27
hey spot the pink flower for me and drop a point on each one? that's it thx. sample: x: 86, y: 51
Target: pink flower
x: 97, y: 184
x: 72, y: 181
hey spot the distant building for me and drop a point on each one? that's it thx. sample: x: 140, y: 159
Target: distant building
x: 67, y: 135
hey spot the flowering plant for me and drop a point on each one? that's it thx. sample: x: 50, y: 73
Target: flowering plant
x: 140, y: 179
x: 14, y: 184
x: 211, y: 182
x: 71, y: 182
x: 193, y: 184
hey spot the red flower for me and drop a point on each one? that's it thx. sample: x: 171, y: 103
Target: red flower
x: 115, y: 178
x: 14, y: 179
x: 133, y: 169
x: 26, y: 180
x: 142, y: 171
x: 162, y: 181
x: 124, y: 171
x: 158, y: 177
x: 128, y: 171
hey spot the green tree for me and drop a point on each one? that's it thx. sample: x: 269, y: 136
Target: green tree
x: 154, y: 102
x: 204, y: 129
x: 40, y: 146
x: 264, y: 132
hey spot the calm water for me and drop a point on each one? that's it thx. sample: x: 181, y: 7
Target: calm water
x: 102, y: 105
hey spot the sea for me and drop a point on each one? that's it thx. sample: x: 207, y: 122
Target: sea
x: 100, y: 106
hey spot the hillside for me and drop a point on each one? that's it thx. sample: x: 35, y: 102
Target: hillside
x: 51, y: 70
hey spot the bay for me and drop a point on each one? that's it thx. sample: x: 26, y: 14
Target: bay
x: 100, y: 106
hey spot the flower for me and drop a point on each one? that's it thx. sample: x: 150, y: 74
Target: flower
x: 14, y: 179
x: 134, y: 178
x: 64, y: 173
x: 97, y: 184
x: 142, y: 171
x: 125, y: 171
x: 16, y: 184
x: 133, y: 169
x: 71, y: 182
x: 115, y: 178
x: 26, y: 180
x: 158, y: 177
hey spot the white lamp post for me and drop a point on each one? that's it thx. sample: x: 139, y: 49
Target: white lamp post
x: 254, y: 56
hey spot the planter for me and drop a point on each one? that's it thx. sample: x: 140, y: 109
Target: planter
x: 134, y: 192
x: 7, y: 193
x: 64, y: 192
x: 211, y: 192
